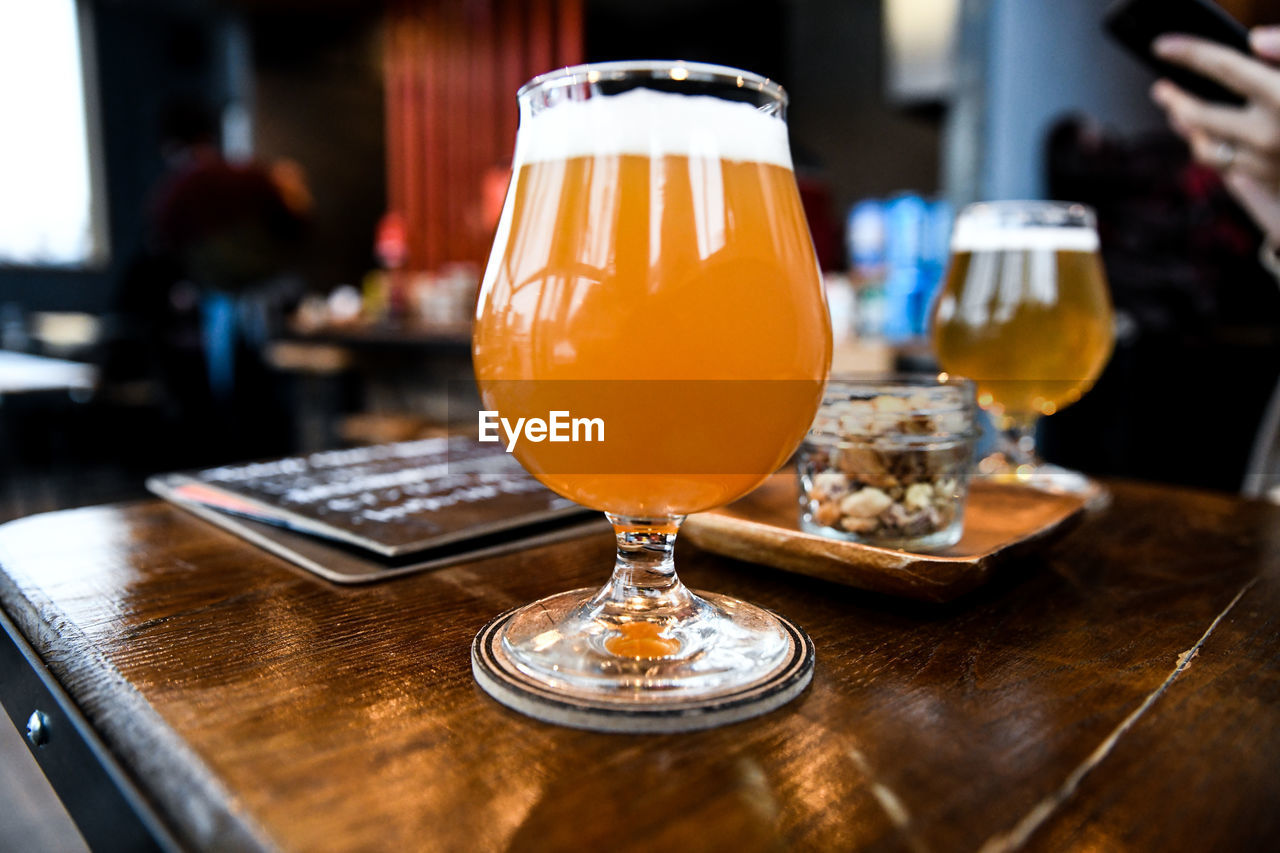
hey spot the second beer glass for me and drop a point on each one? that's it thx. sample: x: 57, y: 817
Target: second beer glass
x: 1025, y: 313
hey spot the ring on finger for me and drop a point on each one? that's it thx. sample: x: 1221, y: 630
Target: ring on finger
x: 1224, y: 154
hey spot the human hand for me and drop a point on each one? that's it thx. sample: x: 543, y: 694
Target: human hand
x: 1242, y: 143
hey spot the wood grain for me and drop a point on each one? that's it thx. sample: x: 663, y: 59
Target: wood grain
x: 1117, y: 690
x: 1001, y: 522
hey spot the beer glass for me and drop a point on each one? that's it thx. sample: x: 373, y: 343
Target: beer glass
x: 1025, y: 313
x: 652, y: 269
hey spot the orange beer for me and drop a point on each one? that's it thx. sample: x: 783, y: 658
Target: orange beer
x: 677, y: 297
x: 1024, y: 311
x: 1030, y: 325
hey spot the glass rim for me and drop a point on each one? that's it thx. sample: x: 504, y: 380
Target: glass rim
x: 827, y: 440
x: 997, y: 207
x: 702, y: 72
x: 839, y: 388
x: 941, y: 379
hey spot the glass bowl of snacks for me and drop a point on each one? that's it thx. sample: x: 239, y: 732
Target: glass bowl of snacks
x: 887, y: 461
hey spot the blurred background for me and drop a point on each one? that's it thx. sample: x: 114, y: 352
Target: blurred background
x: 240, y: 228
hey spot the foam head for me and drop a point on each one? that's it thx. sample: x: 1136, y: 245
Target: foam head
x: 986, y: 236
x: 653, y: 124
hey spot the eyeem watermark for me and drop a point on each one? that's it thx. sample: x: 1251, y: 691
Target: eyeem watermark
x: 559, y: 426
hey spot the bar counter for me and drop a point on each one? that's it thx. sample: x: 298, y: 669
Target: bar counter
x: 1118, y: 689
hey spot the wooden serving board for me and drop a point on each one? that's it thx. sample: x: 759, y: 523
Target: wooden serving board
x: 1001, y: 521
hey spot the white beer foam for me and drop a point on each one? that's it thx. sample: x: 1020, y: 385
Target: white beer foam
x: 984, y: 237
x: 653, y: 124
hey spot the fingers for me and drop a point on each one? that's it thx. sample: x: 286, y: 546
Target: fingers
x: 1225, y: 122
x: 1253, y: 132
x: 1242, y: 143
x: 1259, y: 201
x: 1229, y: 67
x: 1232, y: 159
x: 1265, y: 42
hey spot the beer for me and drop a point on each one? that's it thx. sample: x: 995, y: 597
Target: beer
x: 676, y: 284
x: 652, y: 282
x: 1025, y: 313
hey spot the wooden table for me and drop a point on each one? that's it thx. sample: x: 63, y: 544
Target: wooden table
x: 1118, y: 691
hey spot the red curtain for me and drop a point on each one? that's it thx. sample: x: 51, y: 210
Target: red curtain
x: 452, y: 70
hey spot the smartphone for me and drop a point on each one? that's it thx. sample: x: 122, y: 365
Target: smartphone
x: 1138, y: 23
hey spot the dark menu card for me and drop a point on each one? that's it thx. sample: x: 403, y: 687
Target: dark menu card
x: 391, y: 501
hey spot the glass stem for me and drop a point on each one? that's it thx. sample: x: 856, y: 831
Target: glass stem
x: 1017, y: 442
x: 644, y: 584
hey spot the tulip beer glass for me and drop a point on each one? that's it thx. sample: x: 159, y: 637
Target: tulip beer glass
x: 1025, y: 313
x: 652, y: 269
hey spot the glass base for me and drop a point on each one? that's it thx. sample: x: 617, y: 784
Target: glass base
x: 575, y: 659
x: 943, y: 537
x: 1045, y: 477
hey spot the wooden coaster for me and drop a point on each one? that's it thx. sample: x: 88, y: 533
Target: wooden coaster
x: 498, y: 676
x: 1001, y: 523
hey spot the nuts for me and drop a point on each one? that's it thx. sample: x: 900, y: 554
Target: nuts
x: 864, y: 465
x: 891, y: 467
x: 859, y: 525
x: 829, y: 484
x: 866, y: 503
x: 827, y: 514
x: 918, y: 496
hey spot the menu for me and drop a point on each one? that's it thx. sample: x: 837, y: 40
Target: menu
x: 402, y: 506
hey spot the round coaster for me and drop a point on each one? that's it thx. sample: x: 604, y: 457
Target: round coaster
x: 498, y: 676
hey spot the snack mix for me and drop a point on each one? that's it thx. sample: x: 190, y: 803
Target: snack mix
x: 889, y: 468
